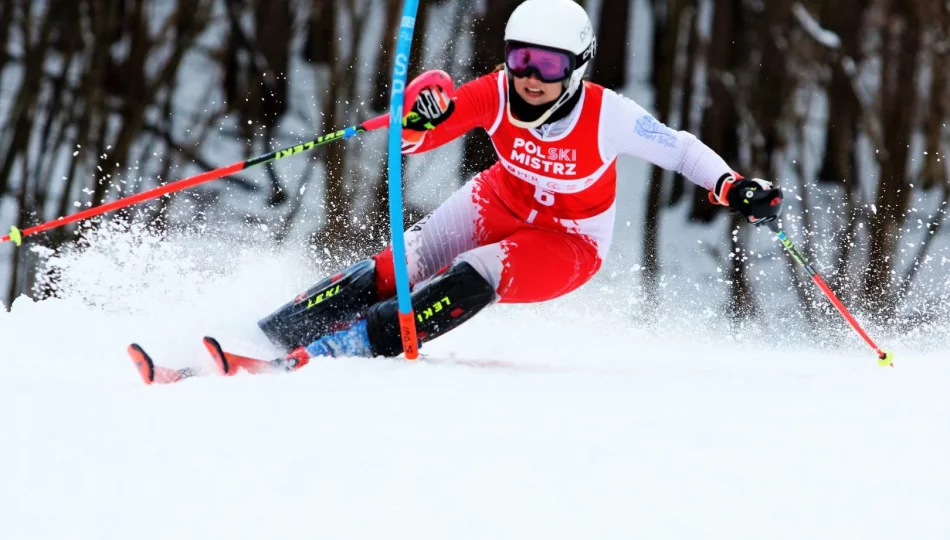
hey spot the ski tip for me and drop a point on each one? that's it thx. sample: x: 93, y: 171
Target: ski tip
x: 220, y: 359
x: 143, y: 363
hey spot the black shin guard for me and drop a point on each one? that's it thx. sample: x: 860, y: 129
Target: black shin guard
x: 335, y: 301
x: 440, y: 305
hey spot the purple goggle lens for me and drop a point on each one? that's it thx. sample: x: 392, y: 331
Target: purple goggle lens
x: 550, y: 66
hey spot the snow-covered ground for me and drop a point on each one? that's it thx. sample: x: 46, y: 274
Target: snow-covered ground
x: 559, y: 421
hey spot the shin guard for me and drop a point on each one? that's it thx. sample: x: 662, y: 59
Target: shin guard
x: 440, y: 305
x: 326, y: 307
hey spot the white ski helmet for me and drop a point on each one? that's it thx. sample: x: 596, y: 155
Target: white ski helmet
x: 556, y: 24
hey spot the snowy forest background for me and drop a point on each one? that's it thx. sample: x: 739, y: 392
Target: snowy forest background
x: 843, y: 102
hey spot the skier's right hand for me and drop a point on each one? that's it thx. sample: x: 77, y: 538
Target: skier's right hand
x: 756, y: 199
x: 433, y: 106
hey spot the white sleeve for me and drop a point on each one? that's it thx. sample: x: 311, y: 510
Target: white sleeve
x: 627, y: 128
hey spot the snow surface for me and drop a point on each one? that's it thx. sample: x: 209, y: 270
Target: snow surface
x: 565, y: 420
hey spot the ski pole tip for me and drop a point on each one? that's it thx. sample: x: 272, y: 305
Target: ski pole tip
x: 16, y: 236
x: 886, y: 359
x: 407, y: 328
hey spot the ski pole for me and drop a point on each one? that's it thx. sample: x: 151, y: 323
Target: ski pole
x: 434, y: 77
x: 883, y: 358
x: 17, y: 235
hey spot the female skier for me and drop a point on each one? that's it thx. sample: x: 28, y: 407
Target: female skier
x: 534, y: 226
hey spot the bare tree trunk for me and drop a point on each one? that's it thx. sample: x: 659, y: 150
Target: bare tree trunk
x: 839, y: 159
x: 666, y: 14
x: 418, y: 41
x: 24, y: 107
x: 898, y: 95
x: 610, y: 63
x: 36, y: 45
x: 6, y: 21
x: 460, y: 15
x: 684, y: 65
x: 773, y: 87
x: 839, y: 164
x: 318, y: 48
x: 60, y: 111
x: 720, y: 119
x: 935, y: 170
x: 263, y: 100
x: 384, y: 62
x: 770, y: 89
x: 937, y: 109
x: 339, y: 201
x: 488, y: 31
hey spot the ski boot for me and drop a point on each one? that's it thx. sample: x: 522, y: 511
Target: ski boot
x: 325, y: 308
x: 295, y: 360
x: 351, y: 341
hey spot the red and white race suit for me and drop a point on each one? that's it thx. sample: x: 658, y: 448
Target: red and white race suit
x: 538, y: 223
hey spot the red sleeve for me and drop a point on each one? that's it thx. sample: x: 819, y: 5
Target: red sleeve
x: 476, y: 105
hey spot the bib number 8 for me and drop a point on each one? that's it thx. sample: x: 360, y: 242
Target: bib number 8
x: 544, y: 197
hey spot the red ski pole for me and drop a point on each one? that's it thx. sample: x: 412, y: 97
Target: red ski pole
x: 883, y: 358
x: 17, y: 235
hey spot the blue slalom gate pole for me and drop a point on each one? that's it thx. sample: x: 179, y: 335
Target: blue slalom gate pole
x: 407, y: 323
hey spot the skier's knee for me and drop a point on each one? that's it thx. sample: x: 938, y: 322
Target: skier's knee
x: 337, y: 300
x: 489, y: 267
x: 385, y: 273
x: 441, y: 304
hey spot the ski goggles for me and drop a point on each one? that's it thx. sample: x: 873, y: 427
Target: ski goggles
x: 549, y: 65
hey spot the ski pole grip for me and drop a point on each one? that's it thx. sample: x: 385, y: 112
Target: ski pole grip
x: 433, y: 77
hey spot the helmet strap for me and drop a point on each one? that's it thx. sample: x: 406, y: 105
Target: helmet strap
x: 559, y: 106
x: 530, y: 125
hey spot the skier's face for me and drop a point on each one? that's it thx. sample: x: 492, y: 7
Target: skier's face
x: 535, y: 92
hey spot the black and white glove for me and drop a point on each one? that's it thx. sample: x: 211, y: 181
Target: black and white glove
x: 756, y: 199
x: 432, y: 107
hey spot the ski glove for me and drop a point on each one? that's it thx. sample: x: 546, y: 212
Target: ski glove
x: 754, y: 198
x: 432, y: 107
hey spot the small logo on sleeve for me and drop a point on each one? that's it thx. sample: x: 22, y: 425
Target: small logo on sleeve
x: 650, y: 129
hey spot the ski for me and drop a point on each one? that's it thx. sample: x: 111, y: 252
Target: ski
x: 229, y: 363
x: 152, y: 374
x: 225, y: 364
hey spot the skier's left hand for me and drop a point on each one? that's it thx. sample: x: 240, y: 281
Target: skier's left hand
x: 756, y: 199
